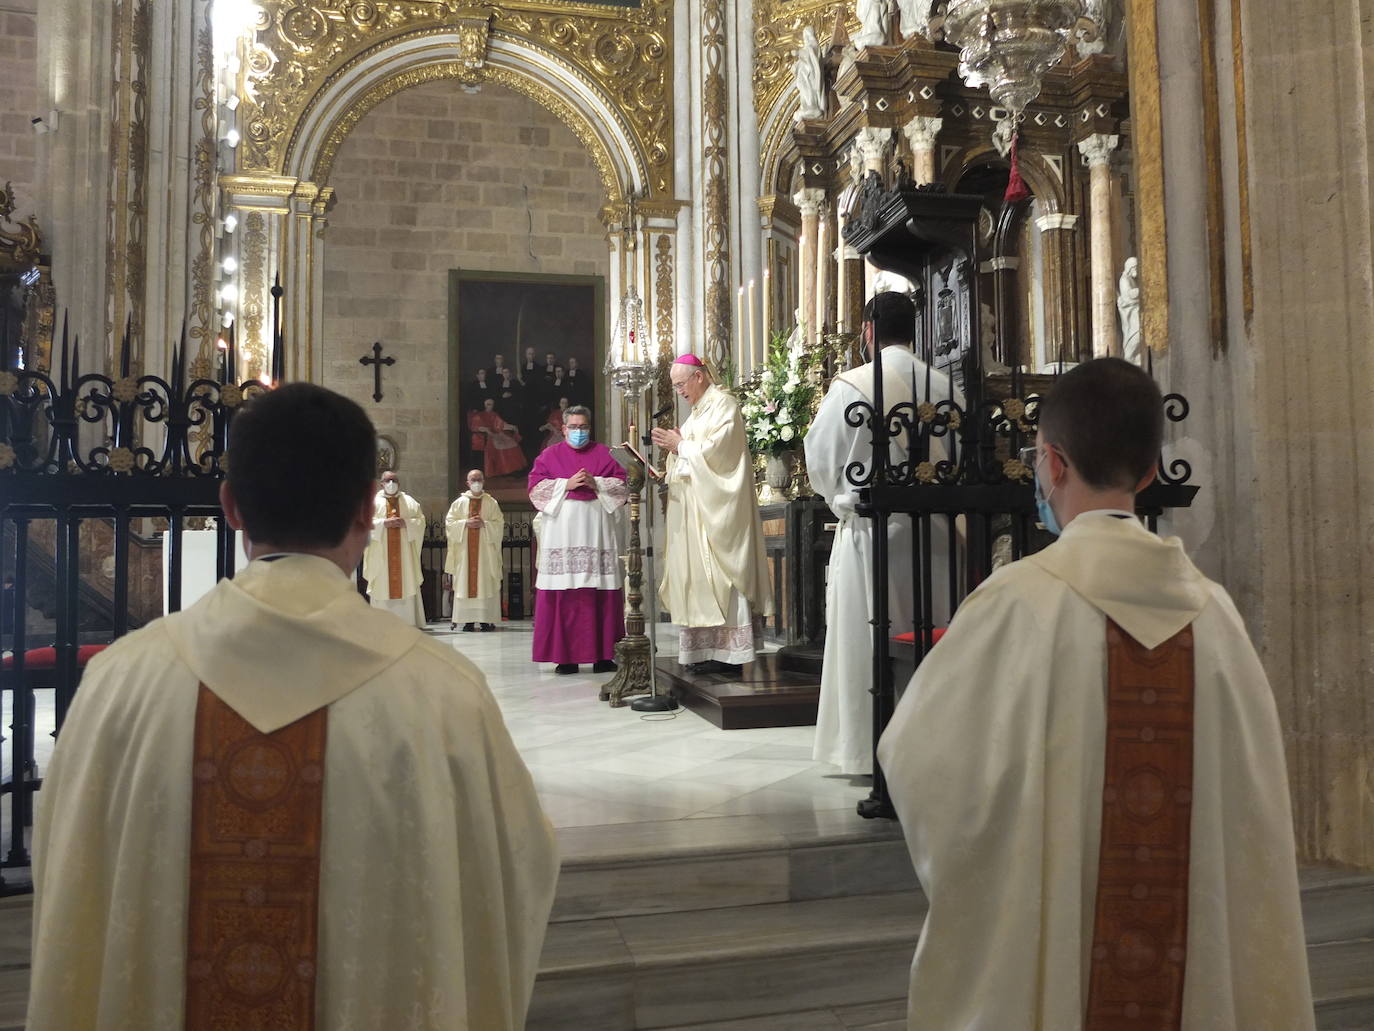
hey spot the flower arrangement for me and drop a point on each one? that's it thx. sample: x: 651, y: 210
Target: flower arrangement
x: 778, y: 402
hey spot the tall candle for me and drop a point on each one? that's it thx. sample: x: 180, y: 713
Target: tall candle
x: 753, y: 330
x: 739, y: 327
x: 767, y: 311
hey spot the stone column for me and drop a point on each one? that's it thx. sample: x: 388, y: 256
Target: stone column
x: 920, y: 133
x: 809, y: 202
x: 1097, y: 151
x: 1061, y: 343
x: 823, y: 260
x: 872, y: 146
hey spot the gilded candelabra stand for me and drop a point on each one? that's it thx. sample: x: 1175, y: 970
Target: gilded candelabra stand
x: 633, y: 653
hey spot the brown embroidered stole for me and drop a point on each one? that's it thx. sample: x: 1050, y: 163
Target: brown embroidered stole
x: 253, y: 917
x: 393, y: 548
x: 1140, y: 933
x: 474, y: 544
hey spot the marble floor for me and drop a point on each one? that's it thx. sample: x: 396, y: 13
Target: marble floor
x: 596, y: 765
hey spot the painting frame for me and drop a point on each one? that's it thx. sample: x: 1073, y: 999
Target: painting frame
x: 481, y: 299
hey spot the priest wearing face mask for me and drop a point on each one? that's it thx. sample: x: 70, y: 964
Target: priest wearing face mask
x: 475, y: 526
x: 391, y: 564
x: 578, y: 490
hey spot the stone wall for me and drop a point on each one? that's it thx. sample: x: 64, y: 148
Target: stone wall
x: 1280, y: 435
x: 19, y: 101
x: 431, y: 180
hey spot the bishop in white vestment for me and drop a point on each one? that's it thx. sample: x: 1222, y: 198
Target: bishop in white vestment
x: 475, y: 526
x: 391, y: 564
x: 1026, y: 754
x: 844, y: 718
x: 715, y: 579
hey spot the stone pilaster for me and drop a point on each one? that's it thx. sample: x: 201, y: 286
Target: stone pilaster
x: 921, y: 133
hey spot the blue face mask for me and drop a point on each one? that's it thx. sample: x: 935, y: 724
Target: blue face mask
x: 579, y: 437
x: 1042, y: 508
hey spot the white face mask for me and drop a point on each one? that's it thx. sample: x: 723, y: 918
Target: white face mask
x: 475, y: 486
x: 391, y: 487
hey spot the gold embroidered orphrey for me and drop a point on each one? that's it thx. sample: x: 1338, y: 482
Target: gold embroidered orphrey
x: 257, y: 803
x: 1140, y: 931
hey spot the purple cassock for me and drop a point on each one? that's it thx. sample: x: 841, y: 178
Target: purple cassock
x: 579, y: 610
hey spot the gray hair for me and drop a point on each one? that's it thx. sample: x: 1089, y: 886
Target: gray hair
x: 582, y: 410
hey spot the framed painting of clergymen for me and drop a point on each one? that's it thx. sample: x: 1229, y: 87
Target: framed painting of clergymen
x: 523, y: 347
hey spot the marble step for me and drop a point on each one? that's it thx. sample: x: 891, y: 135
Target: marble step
x: 668, y: 969
x: 724, y: 862
x: 809, y: 962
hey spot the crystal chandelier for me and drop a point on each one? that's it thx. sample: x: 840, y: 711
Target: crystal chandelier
x: 1008, y: 45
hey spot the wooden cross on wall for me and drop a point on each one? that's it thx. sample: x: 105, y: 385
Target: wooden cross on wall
x: 376, y: 361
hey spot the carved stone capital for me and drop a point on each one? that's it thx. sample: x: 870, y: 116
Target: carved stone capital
x: 921, y: 131
x: 1097, y: 148
x: 809, y: 201
x: 1056, y: 220
x: 873, y: 144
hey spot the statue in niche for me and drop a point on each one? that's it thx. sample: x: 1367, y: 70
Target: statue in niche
x: 807, y: 77
x: 1128, y: 308
x: 915, y: 17
x: 873, y: 15
x: 987, y: 339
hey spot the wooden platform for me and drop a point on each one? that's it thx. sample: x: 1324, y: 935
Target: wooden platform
x: 763, y: 695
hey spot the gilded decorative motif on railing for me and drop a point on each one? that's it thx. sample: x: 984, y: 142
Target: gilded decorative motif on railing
x: 301, y: 45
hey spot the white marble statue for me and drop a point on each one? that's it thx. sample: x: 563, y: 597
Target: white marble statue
x: 1128, y: 308
x: 915, y: 17
x: 873, y: 15
x: 1001, y: 136
x: 807, y: 77
x: 987, y: 339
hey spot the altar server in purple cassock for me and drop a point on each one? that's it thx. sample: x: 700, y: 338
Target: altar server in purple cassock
x: 578, y: 490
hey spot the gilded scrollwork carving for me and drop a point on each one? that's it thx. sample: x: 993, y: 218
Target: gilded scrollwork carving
x: 255, y: 290
x: 127, y: 209
x: 716, y: 188
x: 663, y: 322
x: 203, y: 192
x: 551, y: 101
x: 301, y: 44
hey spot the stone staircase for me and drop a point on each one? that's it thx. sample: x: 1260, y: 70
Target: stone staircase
x: 797, y: 922
x: 804, y: 923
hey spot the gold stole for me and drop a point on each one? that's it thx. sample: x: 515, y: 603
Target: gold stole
x: 1140, y: 933
x: 253, y: 917
x: 474, y: 545
x: 393, y: 548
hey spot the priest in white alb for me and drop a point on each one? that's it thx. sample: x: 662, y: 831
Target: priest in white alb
x: 475, y: 526
x: 844, y: 718
x: 715, y: 579
x: 391, y: 564
x: 1089, y: 770
x: 282, y: 808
